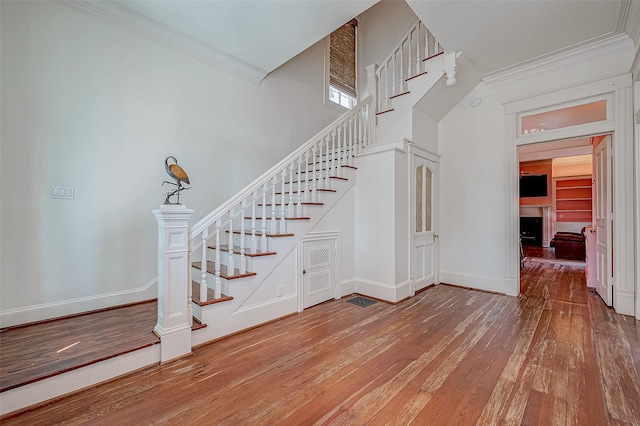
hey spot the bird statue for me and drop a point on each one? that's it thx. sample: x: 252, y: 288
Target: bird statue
x: 177, y: 173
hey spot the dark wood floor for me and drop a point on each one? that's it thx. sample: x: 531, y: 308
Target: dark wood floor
x: 38, y: 351
x: 553, y: 356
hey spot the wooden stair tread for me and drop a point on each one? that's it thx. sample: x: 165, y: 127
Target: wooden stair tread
x: 224, y: 272
x: 236, y: 250
x: 195, y: 296
x: 317, y: 189
x: 277, y: 218
x: 433, y: 56
x: 302, y: 203
x: 259, y: 234
x: 415, y: 76
x: 197, y: 325
x: 312, y: 180
x: 399, y: 94
x: 324, y: 170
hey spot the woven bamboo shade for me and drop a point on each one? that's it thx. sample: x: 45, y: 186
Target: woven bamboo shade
x: 342, y: 58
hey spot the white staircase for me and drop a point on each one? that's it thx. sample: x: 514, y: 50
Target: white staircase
x: 249, y: 244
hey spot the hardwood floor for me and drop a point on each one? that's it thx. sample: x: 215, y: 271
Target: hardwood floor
x: 37, y: 351
x: 555, y: 355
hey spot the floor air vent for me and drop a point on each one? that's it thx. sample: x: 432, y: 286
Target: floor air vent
x: 361, y: 301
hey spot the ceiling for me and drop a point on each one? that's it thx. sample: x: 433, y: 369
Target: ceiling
x: 555, y: 149
x: 495, y: 34
x: 254, y: 37
x: 492, y: 34
x: 258, y: 34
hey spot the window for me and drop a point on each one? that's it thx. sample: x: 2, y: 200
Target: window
x: 342, y: 65
x: 564, y: 117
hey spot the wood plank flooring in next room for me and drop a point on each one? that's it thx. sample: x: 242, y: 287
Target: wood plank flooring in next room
x: 553, y: 356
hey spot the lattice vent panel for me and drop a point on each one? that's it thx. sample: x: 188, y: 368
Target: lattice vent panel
x: 320, y: 282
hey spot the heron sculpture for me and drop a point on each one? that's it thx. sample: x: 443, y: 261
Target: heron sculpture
x: 177, y: 173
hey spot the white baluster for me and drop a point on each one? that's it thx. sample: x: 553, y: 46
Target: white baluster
x: 299, y: 186
x: 283, y: 207
x: 333, y: 153
x: 328, y: 163
x: 352, y: 127
x: 263, y: 237
x: 340, y: 142
x: 230, y: 259
x: 291, y: 208
x: 254, y: 241
x: 371, y: 122
x: 274, y: 223
x: 243, y: 260
x: 217, y: 292
x: 322, y: 164
x: 401, y: 67
x: 203, y: 278
x: 393, y: 74
x: 358, y: 140
x: 418, y: 53
x: 306, y: 178
x: 315, y: 181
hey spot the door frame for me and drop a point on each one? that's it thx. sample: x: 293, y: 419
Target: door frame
x: 415, y: 150
x: 619, y: 123
x: 337, y: 264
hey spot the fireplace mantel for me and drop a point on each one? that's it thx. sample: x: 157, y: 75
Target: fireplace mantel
x: 545, y: 213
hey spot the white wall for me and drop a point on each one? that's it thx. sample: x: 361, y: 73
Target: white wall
x: 472, y: 194
x: 425, y: 131
x: 376, y: 214
x: 89, y: 105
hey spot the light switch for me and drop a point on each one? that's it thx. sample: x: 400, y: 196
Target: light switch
x: 62, y: 192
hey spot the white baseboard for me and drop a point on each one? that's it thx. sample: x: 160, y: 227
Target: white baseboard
x: 624, y: 303
x: 347, y: 287
x: 474, y: 281
x: 74, y: 380
x: 62, y: 308
x: 383, y: 291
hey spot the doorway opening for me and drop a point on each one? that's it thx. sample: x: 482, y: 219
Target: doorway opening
x: 559, y: 202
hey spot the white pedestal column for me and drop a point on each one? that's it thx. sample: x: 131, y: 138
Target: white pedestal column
x: 174, y: 312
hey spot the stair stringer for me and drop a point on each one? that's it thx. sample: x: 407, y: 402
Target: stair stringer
x: 244, y: 311
x: 397, y: 123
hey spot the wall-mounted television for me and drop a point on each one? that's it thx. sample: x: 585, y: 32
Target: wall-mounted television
x: 533, y: 186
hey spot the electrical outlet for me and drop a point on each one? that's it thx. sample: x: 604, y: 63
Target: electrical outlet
x: 280, y: 290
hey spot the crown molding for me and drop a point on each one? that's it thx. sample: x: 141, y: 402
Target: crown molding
x: 576, y: 55
x: 629, y: 22
x: 141, y: 25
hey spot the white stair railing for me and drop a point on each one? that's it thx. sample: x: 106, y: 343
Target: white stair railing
x: 290, y: 173
x: 406, y: 60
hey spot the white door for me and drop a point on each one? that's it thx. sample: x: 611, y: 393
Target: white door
x: 423, y: 246
x: 318, y: 273
x: 603, y: 165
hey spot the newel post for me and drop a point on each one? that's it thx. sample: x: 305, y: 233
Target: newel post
x: 173, y: 279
